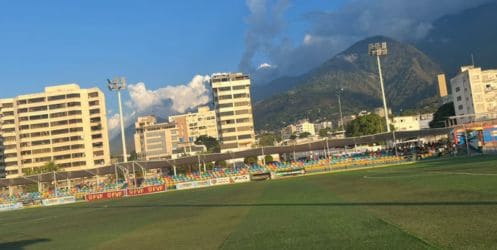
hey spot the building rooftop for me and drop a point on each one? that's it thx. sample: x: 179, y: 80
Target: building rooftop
x: 226, y: 77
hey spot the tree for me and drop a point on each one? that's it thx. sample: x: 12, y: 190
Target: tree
x: 442, y: 114
x: 324, y: 132
x: 133, y: 156
x: 365, y: 125
x: 304, y: 135
x: 250, y: 160
x: 48, y: 167
x: 221, y: 163
x: 268, y: 139
x: 268, y: 158
x: 293, y: 137
x: 211, y: 143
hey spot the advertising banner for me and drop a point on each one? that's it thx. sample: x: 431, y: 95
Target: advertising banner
x: 240, y: 178
x: 260, y: 177
x: 105, y: 195
x: 146, y: 190
x: 58, y: 201
x: 290, y: 173
x: 193, y: 184
x: 10, y: 206
x: 220, y: 181
x: 184, y: 185
x: 199, y: 184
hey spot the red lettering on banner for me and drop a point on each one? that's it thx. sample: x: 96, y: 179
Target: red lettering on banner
x: 106, y: 195
x: 146, y: 190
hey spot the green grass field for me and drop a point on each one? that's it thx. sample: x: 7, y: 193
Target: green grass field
x: 436, y: 204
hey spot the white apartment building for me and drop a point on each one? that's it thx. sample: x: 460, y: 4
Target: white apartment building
x: 154, y: 141
x: 233, y: 106
x: 65, y: 124
x: 474, y: 93
x: 192, y: 125
x: 304, y: 126
x: 412, y: 123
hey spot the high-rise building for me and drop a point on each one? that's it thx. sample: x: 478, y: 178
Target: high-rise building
x: 192, y: 125
x: 154, y: 141
x: 235, y: 123
x: 474, y: 93
x: 65, y: 124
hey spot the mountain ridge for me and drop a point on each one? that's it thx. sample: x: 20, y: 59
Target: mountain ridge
x: 410, y: 81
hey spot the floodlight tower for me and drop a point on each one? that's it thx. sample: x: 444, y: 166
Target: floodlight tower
x: 380, y: 49
x: 117, y: 85
x: 339, y: 94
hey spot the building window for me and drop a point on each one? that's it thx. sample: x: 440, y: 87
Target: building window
x: 458, y: 89
x: 57, y: 97
x: 459, y: 98
x: 460, y: 107
x: 225, y: 89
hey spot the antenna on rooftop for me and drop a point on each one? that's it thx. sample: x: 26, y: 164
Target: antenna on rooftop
x: 472, y: 59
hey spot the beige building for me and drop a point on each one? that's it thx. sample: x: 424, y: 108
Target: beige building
x: 231, y: 92
x: 65, y: 124
x: 155, y: 141
x: 304, y: 126
x: 192, y: 125
x: 474, y: 93
x: 412, y: 123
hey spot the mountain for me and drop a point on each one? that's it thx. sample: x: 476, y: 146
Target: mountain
x: 454, y: 38
x: 410, y: 82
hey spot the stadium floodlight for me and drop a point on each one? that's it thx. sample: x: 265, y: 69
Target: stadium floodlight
x: 339, y: 94
x: 117, y: 85
x: 380, y: 49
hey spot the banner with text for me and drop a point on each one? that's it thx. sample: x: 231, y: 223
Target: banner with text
x: 220, y: 181
x: 105, y: 195
x: 10, y: 206
x: 193, y: 184
x: 146, y: 190
x: 240, y: 178
x: 58, y: 201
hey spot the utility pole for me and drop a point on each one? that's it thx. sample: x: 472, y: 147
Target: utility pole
x: 118, y: 85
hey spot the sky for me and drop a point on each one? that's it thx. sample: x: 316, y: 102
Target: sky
x: 156, y: 42
x: 167, y: 49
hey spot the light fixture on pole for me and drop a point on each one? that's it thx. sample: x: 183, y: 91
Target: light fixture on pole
x: 339, y: 94
x: 380, y: 49
x: 117, y: 85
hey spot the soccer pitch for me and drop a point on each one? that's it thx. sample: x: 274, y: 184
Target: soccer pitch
x: 433, y: 204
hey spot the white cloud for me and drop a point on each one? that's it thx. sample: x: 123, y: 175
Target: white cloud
x: 162, y: 102
x: 265, y: 66
x: 330, y: 32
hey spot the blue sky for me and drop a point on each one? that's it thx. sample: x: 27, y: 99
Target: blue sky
x: 156, y: 42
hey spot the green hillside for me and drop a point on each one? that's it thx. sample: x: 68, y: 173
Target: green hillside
x: 410, y: 82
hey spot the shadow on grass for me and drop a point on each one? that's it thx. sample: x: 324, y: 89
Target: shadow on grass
x: 21, y: 244
x: 325, y: 204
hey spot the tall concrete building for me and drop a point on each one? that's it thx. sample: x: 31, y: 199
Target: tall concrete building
x: 192, y: 125
x: 474, y: 93
x: 65, y: 124
x: 154, y: 141
x: 233, y: 106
